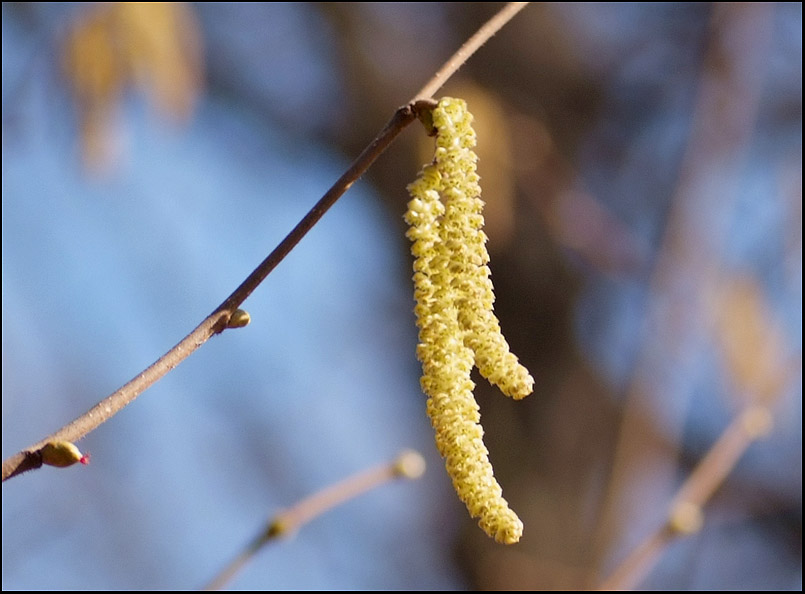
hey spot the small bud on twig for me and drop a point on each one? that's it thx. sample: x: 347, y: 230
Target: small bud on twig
x: 62, y: 454
x: 239, y: 319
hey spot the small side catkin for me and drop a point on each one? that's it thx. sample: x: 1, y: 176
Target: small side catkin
x: 457, y: 326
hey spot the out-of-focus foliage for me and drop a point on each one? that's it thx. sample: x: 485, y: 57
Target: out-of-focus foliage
x: 754, y: 347
x: 112, y: 47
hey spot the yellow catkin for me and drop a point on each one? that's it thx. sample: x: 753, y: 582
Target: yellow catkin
x: 457, y: 327
x: 462, y: 231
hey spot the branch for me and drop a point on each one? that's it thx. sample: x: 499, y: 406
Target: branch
x: 409, y: 464
x: 30, y: 458
x: 685, y: 515
x: 470, y: 46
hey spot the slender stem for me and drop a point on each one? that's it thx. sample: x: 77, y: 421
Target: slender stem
x: 469, y: 47
x: 409, y: 464
x: 29, y: 458
x: 685, y: 513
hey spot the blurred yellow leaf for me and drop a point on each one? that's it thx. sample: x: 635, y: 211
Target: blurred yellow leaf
x: 753, y: 346
x: 113, y: 47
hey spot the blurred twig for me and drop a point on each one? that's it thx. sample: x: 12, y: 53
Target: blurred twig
x: 755, y: 359
x: 685, y: 515
x: 409, y: 464
x: 216, y: 322
x: 687, y: 269
x: 575, y: 218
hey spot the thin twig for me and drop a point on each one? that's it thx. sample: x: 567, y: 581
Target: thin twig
x: 469, y: 47
x: 216, y: 322
x: 685, y: 513
x: 409, y: 464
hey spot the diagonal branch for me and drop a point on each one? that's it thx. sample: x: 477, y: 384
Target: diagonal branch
x: 409, y: 464
x: 30, y: 458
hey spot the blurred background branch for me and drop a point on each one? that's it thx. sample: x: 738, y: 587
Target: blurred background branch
x: 409, y: 464
x: 689, y: 264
